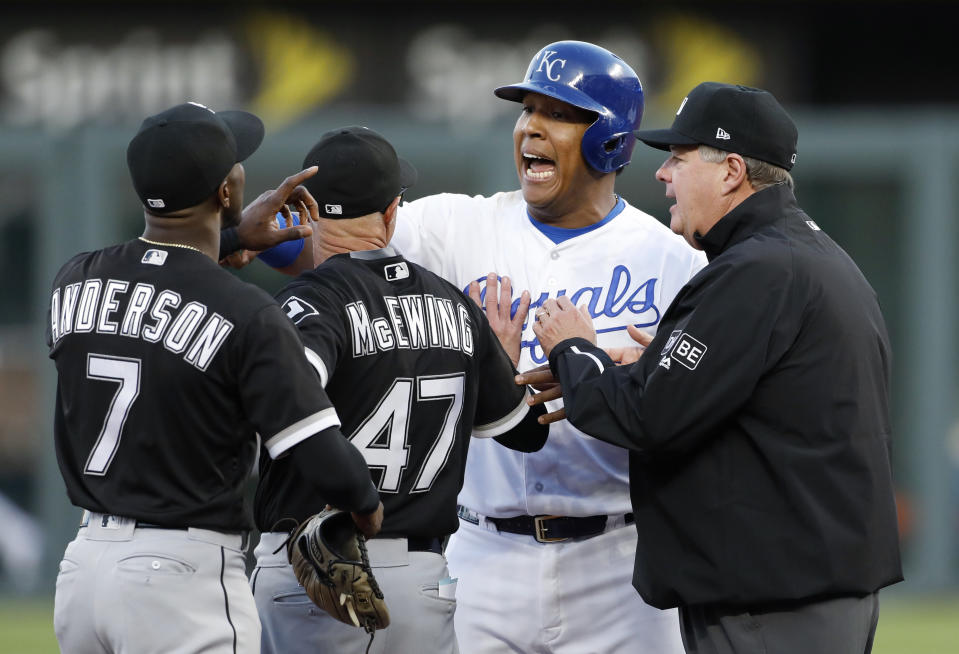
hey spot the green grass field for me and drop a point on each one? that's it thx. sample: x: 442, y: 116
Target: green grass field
x: 906, y: 626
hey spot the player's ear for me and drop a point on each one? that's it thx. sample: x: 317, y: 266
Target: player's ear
x: 390, y: 214
x: 223, y: 194
x: 735, y: 168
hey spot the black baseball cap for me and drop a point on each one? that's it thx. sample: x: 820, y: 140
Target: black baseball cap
x: 180, y: 156
x: 734, y: 118
x: 359, y: 173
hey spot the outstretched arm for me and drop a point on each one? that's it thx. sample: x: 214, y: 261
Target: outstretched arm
x: 258, y: 228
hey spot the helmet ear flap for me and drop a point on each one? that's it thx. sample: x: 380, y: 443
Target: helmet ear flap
x: 607, y: 152
x: 615, y: 143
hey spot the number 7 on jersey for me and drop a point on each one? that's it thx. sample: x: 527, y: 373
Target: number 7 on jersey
x: 126, y: 373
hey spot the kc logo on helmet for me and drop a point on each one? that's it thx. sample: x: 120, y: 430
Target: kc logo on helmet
x: 546, y: 61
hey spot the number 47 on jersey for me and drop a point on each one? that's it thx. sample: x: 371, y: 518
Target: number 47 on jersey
x: 392, y: 415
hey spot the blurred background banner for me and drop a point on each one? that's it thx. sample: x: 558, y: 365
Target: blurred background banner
x: 873, y: 87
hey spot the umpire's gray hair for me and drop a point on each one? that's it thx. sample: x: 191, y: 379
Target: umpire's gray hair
x: 759, y: 173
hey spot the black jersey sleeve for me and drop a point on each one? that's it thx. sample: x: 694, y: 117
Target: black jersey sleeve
x: 528, y: 435
x: 501, y: 405
x: 337, y: 471
x: 316, y: 309
x: 698, y: 371
x: 229, y: 241
x: 277, y: 383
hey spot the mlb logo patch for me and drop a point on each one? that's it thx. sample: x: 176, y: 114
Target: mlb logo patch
x: 396, y: 271
x: 334, y: 209
x: 298, y: 309
x: 154, y: 257
x: 688, y: 351
x: 669, y: 343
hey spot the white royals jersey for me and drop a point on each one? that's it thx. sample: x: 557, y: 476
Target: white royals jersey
x: 627, y: 271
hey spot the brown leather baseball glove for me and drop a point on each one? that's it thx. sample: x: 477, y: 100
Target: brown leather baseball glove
x: 329, y: 559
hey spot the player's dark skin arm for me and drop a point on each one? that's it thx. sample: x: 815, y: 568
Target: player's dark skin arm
x: 529, y: 435
x: 257, y: 228
x: 339, y: 474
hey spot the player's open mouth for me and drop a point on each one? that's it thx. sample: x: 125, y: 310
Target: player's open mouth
x: 537, y: 168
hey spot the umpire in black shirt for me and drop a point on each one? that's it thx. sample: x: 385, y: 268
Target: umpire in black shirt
x: 757, y: 420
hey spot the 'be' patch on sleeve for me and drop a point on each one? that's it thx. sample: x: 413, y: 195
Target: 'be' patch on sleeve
x: 688, y: 351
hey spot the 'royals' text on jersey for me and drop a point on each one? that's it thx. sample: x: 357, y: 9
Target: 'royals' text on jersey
x: 403, y: 355
x: 167, y: 369
x: 626, y: 271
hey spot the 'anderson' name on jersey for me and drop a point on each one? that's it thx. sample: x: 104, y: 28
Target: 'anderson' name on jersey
x: 151, y: 315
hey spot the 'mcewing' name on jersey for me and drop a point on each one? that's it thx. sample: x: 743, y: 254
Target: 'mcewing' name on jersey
x: 412, y: 322
x: 92, y: 306
x: 603, y: 302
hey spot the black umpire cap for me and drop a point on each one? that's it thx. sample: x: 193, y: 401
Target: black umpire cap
x: 359, y: 173
x: 180, y: 156
x: 734, y: 118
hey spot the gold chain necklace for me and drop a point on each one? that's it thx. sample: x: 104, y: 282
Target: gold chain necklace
x: 172, y: 245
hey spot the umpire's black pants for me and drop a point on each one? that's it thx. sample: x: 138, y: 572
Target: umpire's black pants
x: 845, y: 625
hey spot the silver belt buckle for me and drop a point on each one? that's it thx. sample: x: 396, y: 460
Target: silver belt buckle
x: 541, y: 529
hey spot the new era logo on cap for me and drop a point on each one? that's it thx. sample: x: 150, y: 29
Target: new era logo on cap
x: 722, y: 134
x: 155, y: 204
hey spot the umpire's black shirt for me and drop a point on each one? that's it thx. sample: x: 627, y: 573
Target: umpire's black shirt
x: 757, y: 421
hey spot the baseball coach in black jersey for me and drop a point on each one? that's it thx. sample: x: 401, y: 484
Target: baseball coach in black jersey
x: 413, y: 370
x: 168, y: 368
x: 757, y: 420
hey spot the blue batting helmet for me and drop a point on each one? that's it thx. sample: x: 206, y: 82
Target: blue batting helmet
x: 592, y: 78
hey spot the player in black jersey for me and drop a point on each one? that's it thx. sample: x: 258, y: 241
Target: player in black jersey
x: 168, y: 368
x: 413, y: 370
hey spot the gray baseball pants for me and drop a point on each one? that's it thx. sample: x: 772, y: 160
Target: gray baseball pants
x: 845, y: 625
x: 129, y: 588
x: 420, y: 620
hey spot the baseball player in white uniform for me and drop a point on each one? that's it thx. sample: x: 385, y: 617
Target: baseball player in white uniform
x: 544, y: 553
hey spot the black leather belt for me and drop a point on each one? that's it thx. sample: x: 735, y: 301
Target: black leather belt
x: 85, y: 522
x: 554, y: 528
x: 424, y: 545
